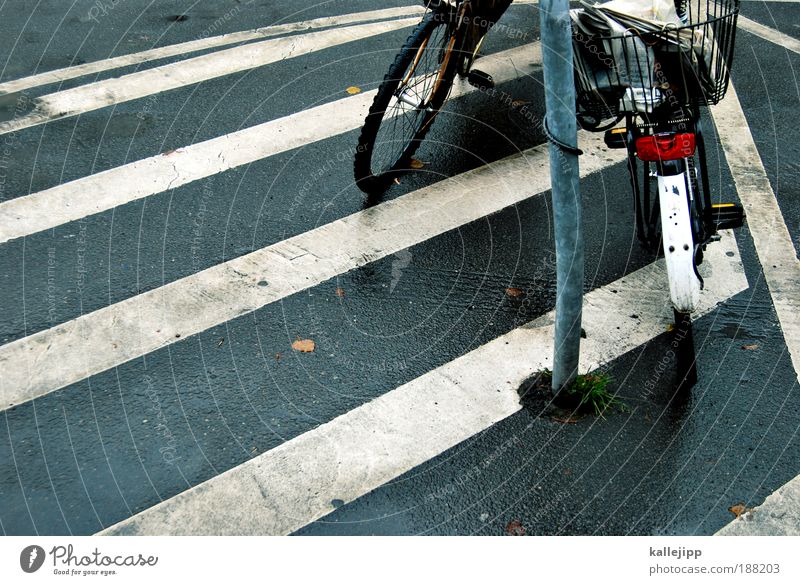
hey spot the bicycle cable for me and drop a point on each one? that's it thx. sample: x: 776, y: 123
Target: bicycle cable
x: 560, y: 145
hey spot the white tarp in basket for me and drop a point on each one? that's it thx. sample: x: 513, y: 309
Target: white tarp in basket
x: 631, y: 62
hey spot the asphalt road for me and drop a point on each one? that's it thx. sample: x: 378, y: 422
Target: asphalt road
x: 89, y: 454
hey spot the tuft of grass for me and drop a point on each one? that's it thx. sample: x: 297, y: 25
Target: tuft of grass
x: 591, y: 392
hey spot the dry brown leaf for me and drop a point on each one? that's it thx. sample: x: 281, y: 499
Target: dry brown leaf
x: 750, y: 346
x: 304, y: 345
x: 339, y: 292
x: 278, y: 357
x: 417, y: 164
x: 169, y: 152
x: 519, y: 103
x: 514, y: 292
x: 515, y: 528
x: 670, y: 327
x: 565, y: 420
x: 353, y: 90
x: 738, y: 509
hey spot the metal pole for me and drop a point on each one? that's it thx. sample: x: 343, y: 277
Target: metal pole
x: 561, y: 127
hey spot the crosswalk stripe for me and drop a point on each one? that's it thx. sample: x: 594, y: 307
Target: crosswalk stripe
x: 776, y: 516
x: 769, y: 34
x: 71, y: 201
x: 771, y: 237
x: 59, y: 75
x: 779, y: 264
x: 100, y: 94
x: 75, y: 71
x: 56, y: 357
x: 294, y: 484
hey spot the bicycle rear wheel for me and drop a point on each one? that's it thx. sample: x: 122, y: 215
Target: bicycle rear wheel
x: 407, y: 101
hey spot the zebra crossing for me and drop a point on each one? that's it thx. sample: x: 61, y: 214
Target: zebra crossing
x: 407, y: 426
x: 321, y: 464
x: 60, y: 204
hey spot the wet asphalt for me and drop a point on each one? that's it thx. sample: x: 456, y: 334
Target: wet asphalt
x: 95, y: 452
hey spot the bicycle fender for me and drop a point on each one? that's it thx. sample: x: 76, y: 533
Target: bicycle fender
x: 676, y: 229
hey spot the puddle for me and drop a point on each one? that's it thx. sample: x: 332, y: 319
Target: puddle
x: 743, y: 319
x: 127, y: 124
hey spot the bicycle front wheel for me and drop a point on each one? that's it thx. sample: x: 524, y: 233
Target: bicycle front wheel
x: 407, y: 101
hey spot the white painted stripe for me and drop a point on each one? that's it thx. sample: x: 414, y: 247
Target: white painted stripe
x: 294, y: 484
x: 773, y: 243
x: 71, y: 201
x: 51, y: 359
x: 778, y: 515
x: 781, y: 269
x: 769, y: 34
x: 101, y: 94
x: 59, y: 75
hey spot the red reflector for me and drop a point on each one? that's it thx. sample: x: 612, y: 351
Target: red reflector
x: 666, y: 146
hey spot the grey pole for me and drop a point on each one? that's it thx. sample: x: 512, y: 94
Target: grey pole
x: 561, y: 127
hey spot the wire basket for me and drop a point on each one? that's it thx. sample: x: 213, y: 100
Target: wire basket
x: 641, y: 70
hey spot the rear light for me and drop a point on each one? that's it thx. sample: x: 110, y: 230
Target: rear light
x: 665, y: 146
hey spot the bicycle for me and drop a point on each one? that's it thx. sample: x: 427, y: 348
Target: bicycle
x: 444, y: 44
x: 657, y: 81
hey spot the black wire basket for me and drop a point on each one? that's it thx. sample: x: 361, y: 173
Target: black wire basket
x: 641, y: 68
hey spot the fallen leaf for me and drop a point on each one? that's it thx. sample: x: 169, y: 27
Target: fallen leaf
x: 567, y: 471
x: 514, y: 292
x: 417, y: 164
x: 353, y: 90
x: 304, y: 345
x: 670, y: 327
x: 565, y: 420
x: 519, y: 103
x: 396, y: 181
x: 278, y: 357
x: 750, y: 346
x: 515, y: 528
x: 221, y: 341
x: 339, y: 292
x: 738, y: 509
x: 173, y: 151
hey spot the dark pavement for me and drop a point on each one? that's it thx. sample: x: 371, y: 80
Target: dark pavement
x: 96, y: 452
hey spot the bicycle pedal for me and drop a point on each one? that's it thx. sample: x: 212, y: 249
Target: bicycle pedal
x: 616, y: 138
x: 480, y: 79
x: 727, y: 216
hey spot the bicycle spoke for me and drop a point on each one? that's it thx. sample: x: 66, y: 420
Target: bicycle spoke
x: 410, y: 107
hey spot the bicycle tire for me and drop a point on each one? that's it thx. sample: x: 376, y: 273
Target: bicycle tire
x: 685, y: 357
x: 432, y: 38
x: 696, y: 210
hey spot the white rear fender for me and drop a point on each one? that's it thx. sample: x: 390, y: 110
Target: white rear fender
x: 676, y: 227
